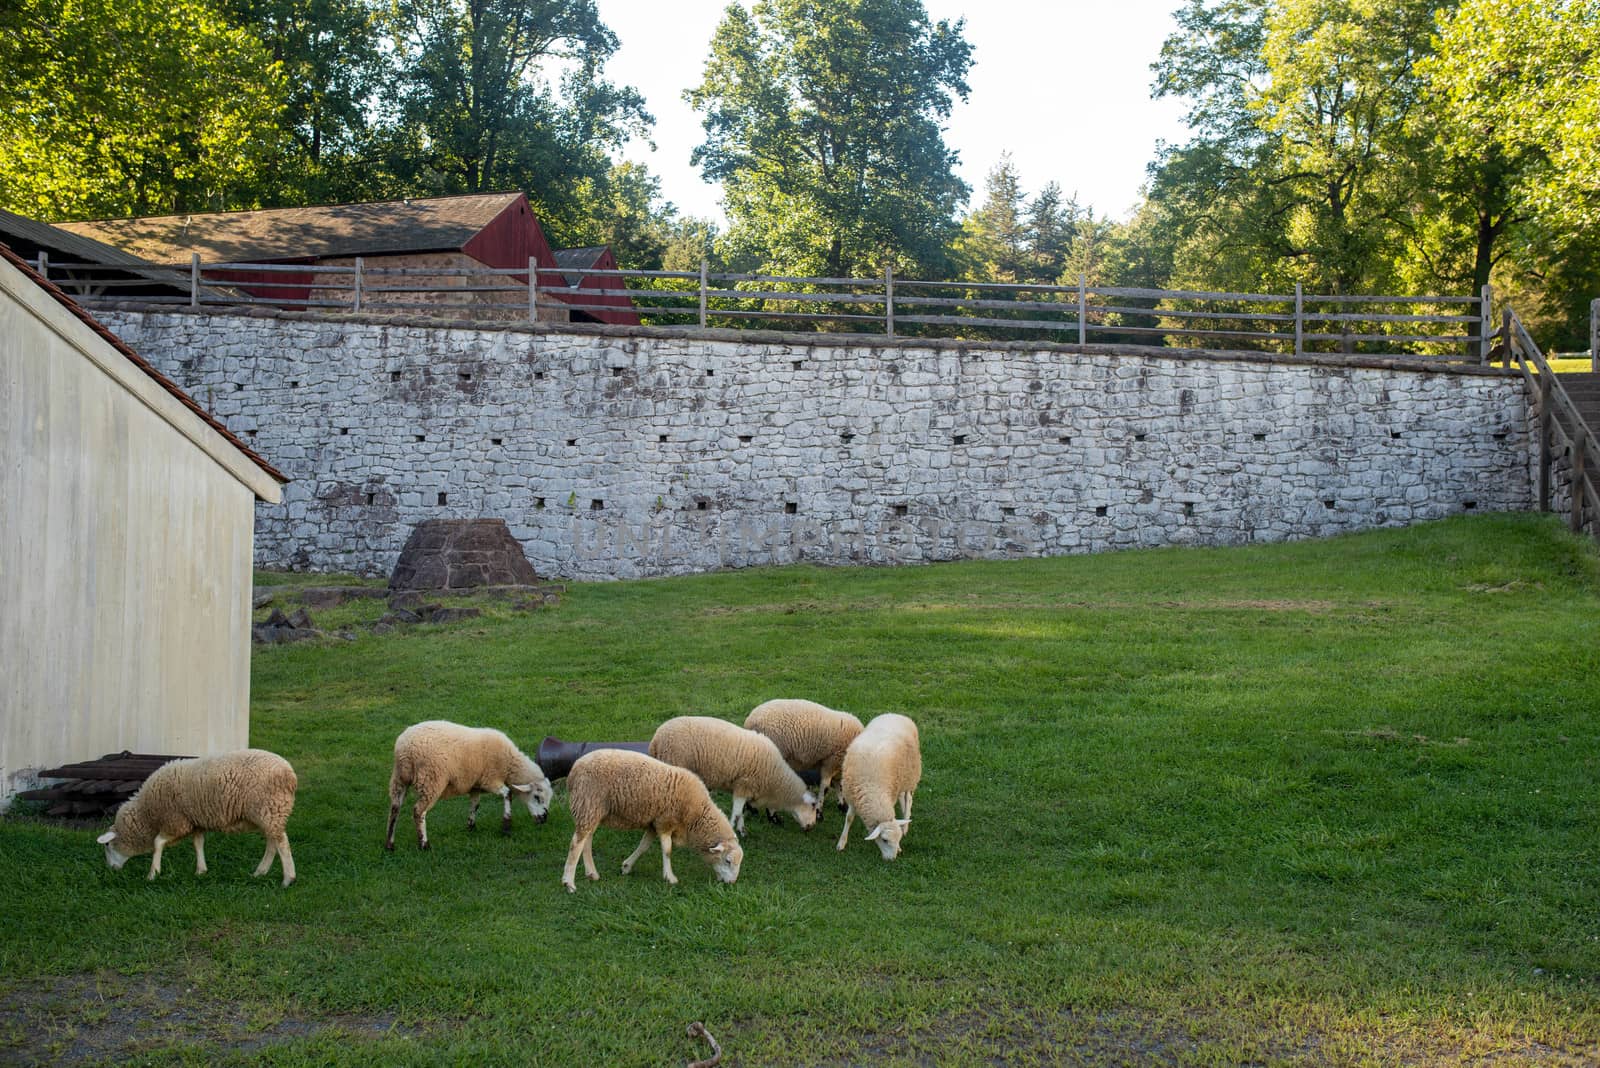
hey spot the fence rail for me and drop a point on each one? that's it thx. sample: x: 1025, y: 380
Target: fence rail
x: 1561, y: 425
x: 1451, y: 327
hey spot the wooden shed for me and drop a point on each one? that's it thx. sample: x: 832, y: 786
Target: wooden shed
x: 125, y: 547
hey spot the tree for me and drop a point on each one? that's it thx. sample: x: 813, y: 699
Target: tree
x: 114, y: 107
x: 624, y: 210
x: 993, y: 246
x: 823, y: 123
x: 1052, y: 226
x: 478, y: 110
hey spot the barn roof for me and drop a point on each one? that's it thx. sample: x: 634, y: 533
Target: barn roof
x: 28, y: 237
x: 574, y: 261
x: 430, y: 224
x: 138, y: 361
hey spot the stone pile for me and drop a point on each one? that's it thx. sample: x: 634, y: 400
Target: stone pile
x: 460, y: 554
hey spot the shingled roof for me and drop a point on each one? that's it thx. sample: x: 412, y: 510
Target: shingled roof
x: 574, y: 261
x: 28, y: 237
x: 432, y: 224
x: 138, y: 361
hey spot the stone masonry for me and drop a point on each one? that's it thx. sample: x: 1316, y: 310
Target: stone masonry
x: 615, y: 452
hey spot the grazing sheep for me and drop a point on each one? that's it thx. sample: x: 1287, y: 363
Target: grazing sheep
x: 628, y: 790
x: 438, y: 759
x: 808, y: 735
x: 243, y: 790
x: 729, y: 757
x: 882, y: 766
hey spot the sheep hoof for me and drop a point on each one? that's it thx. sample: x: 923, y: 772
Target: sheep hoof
x: 424, y: 845
x: 571, y: 888
x: 774, y: 819
x: 388, y: 847
x: 505, y: 826
x: 472, y: 825
x: 288, y: 883
x: 594, y: 877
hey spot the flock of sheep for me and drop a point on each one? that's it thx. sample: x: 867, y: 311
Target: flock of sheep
x: 666, y: 794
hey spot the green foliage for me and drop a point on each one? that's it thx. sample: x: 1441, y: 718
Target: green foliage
x: 822, y: 122
x: 118, y: 107
x: 1292, y: 804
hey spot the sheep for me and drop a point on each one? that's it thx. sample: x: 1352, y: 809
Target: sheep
x: 627, y: 790
x: 729, y: 757
x: 437, y: 759
x: 882, y: 766
x: 808, y: 735
x: 243, y: 790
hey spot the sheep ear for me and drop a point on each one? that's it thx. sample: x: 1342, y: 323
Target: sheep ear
x: 521, y: 787
x: 810, y: 798
x: 905, y: 822
x: 107, y: 838
x: 718, y: 848
x: 875, y: 832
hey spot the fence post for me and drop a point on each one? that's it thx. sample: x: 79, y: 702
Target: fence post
x: 1594, y: 335
x: 1299, y: 321
x: 194, y: 279
x: 1579, y: 440
x: 703, y: 269
x: 1083, y: 310
x: 888, y: 298
x: 1544, y: 443
x: 1486, y: 322
x: 533, y: 290
x: 356, y: 288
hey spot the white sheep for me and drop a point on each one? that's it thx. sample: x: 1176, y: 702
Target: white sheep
x: 627, y: 790
x: 808, y: 735
x: 882, y: 766
x: 729, y: 757
x: 243, y: 790
x: 437, y: 759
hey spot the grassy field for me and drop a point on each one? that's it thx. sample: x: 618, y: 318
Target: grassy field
x: 1325, y: 803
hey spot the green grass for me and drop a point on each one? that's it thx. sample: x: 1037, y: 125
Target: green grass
x: 1323, y: 803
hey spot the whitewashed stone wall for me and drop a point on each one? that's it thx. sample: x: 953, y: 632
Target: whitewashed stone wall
x: 617, y: 452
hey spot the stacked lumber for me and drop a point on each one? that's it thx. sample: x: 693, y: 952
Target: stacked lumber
x: 96, y: 787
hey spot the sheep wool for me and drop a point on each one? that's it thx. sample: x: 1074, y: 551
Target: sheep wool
x: 882, y: 767
x: 250, y: 789
x: 808, y: 735
x: 437, y: 759
x: 729, y: 757
x: 629, y: 791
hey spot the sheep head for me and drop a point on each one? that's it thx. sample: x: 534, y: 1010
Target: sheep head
x: 725, y: 858
x: 888, y: 834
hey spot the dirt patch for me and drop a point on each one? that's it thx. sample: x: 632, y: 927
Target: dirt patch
x: 94, y: 1018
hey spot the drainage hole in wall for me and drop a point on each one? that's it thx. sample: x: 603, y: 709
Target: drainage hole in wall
x: 960, y: 439
x: 1138, y: 437
x: 710, y: 373
x: 497, y: 441
x: 700, y: 506
x: 1394, y: 435
x: 745, y: 439
x: 1101, y: 510
x: 662, y: 438
x: 1470, y: 505
x: 344, y: 430
x: 790, y: 507
x: 394, y: 376
x: 1065, y: 440
x: 1328, y: 503
x: 597, y: 505
x: 249, y: 433
x: 847, y: 437
x: 294, y: 383
x: 238, y: 387
x: 1188, y: 508
x: 371, y: 497
x: 538, y: 502
x: 797, y: 364
x: 1501, y: 436
x: 1008, y: 511
x: 422, y: 437
x: 1259, y: 437
x: 444, y: 498
x: 616, y: 372
x: 465, y: 376
x: 901, y: 509
x: 538, y: 376
x: 571, y: 442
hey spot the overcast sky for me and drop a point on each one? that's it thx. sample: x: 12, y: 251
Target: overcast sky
x: 1064, y: 85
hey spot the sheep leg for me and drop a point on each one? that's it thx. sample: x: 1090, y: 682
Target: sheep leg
x: 736, y: 815
x: 266, y: 858
x: 849, y: 817
x: 199, y: 852
x: 419, y: 813
x: 397, y: 797
x: 666, y: 860
x: 287, y: 859
x: 580, y: 845
x: 155, y: 858
x: 472, y: 813
x: 905, y: 805
x: 505, y: 816
x: 588, y: 860
x: 633, y: 858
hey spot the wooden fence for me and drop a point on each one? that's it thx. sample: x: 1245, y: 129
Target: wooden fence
x: 1563, y: 432
x: 1451, y: 327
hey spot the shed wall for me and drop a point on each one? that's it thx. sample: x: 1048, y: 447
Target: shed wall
x: 125, y: 554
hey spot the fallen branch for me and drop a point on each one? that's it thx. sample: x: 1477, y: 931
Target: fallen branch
x: 698, y: 1030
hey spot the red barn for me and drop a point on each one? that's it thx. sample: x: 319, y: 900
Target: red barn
x: 477, y: 230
